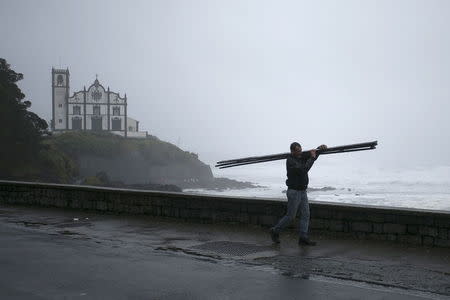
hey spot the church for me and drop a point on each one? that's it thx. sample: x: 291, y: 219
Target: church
x: 94, y: 108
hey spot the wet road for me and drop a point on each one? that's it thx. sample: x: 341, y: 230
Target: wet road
x: 51, y: 254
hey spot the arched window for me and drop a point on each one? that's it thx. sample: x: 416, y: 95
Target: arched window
x: 97, y: 123
x: 76, y: 123
x: 59, y: 80
x: 116, y: 124
x: 77, y: 110
x: 116, y: 111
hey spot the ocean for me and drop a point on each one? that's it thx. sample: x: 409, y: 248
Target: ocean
x: 422, y: 188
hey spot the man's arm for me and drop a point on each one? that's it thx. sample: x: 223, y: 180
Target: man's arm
x: 309, y: 163
x: 314, y: 156
x: 294, y: 166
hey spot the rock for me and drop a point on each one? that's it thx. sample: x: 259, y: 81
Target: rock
x: 220, y: 184
x: 323, y: 189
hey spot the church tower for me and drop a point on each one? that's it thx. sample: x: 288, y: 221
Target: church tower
x: 60, y: 95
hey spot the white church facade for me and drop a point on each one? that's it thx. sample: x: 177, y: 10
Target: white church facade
x: 94, y: 108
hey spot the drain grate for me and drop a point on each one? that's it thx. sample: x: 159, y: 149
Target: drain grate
x: 231, y: 248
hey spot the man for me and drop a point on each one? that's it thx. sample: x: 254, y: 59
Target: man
x: 297, y: 167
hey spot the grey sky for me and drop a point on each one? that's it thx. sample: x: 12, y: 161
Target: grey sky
x: 238, y: 78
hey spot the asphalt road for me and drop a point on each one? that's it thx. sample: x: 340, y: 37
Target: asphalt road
x: 39, y: 261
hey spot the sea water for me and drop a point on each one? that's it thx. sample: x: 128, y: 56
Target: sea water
x: 420, y: 187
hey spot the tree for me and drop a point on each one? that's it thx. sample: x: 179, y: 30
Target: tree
x: 21, y: 130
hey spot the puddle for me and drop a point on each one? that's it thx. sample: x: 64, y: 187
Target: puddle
x: 188, y: 251
x: 75, y: 224
x: 68, y: 232
x: 30, y: 224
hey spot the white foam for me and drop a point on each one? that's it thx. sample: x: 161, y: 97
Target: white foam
x: 427, y: 188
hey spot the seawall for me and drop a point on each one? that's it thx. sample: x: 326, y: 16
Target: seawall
x: 408, y: 226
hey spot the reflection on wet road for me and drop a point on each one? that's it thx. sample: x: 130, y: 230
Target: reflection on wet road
x: 49, y: 253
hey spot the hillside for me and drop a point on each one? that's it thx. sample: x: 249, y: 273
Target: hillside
x: 107, y: 159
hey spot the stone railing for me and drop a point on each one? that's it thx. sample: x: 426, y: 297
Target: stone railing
x: 409, y: 226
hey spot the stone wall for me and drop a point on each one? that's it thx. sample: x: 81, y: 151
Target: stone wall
x: 409, y: 226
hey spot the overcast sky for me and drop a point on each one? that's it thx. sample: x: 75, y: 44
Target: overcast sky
x: 228, y: 79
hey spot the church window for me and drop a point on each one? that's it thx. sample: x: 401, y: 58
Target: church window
x: 116, y: 111
x: 76, y: 123
x: 77, y: 110
x: 96, y: 95
x: 96, y: 110
x: 60, y: 121
x: 97, y: 123
x: 60, y: 105
x: 59, y: 80
x: 116, y: 124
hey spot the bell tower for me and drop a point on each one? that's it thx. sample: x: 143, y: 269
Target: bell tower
x: 60, y: 95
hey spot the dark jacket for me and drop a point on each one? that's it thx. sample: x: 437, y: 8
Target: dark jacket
x: 297, y: 172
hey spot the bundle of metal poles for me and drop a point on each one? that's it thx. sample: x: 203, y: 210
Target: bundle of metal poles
x: 260, y: 159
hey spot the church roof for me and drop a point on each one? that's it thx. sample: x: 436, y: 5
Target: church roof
x: 96, y: 84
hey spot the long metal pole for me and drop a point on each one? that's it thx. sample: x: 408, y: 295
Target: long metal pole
x: 368, y: 144
x: 266, y: 158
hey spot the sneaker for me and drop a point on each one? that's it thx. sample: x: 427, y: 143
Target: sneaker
x: 306, y: 242
x: 275, y: 236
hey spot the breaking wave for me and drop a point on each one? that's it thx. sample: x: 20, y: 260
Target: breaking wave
x: 425, y: 188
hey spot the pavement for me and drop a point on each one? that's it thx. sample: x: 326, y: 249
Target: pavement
x: 68, y: 254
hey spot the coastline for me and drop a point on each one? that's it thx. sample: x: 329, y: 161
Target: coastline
x: 436, y: 200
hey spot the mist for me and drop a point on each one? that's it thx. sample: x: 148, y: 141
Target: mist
x: 228, y: 79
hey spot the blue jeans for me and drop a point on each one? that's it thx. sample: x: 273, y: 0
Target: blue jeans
x: 297, y: 202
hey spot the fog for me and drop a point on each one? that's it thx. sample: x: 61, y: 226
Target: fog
x: 228, y: 79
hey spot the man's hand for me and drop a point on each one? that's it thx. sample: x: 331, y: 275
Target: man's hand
x: 321, y: 147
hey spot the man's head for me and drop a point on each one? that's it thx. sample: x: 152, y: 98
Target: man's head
x: 296, y: 149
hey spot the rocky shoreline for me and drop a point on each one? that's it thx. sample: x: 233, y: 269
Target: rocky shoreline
x: 217, y: 184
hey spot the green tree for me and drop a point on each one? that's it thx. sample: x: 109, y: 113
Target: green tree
x: 21, y: 130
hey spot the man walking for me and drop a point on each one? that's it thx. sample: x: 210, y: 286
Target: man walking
x: 297, y: 181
